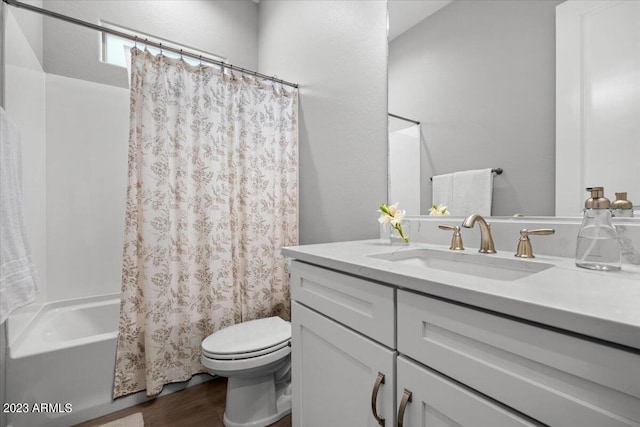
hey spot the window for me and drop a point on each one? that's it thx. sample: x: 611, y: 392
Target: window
x: 113, y: 47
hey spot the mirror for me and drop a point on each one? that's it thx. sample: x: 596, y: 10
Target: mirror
x: 480, y: 77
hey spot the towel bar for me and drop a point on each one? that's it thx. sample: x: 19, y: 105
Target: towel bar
x: 497, y: 171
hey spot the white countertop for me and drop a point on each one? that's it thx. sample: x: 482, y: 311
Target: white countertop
x: 603, y: 305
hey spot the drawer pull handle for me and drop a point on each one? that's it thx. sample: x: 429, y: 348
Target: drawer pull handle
x: 406, y: 398
x: 374, y: 398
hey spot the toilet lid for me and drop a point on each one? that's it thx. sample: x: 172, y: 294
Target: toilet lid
x: 248, y: 337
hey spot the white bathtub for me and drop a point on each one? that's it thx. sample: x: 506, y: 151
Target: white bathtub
x: 68, y: 324
x: 64, y: 358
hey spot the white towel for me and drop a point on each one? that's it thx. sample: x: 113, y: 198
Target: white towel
x: 18, y: 278
x: 465, y: 193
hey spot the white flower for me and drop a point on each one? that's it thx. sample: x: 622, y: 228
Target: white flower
x: 393, y: 209
x: 397, y: 217
x: 438, y: 210
x: 384, y: 219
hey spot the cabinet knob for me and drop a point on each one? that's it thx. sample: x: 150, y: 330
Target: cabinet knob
x: 406, y: 398
x: 374, y: 399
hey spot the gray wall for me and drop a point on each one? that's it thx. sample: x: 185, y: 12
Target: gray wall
x: 226, y: 28
x: 337, y: 52
x: 480, y: 76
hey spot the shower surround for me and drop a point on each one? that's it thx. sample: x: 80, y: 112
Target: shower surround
x: 74, y: 148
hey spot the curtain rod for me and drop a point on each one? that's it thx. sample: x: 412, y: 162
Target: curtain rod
x: 182, y: 52
x: 403, y: 118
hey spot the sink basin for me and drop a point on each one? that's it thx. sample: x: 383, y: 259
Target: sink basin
x: 477, y: 265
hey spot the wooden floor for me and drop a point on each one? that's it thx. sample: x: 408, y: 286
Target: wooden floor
x: 200, y: 405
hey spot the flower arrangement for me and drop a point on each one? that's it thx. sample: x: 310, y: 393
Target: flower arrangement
x: 438, y: 210
x: 393, y: 216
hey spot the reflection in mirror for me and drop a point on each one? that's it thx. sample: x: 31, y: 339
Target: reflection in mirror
x: 404, y: 163
x: 597, y: 101
x: 480, y: 75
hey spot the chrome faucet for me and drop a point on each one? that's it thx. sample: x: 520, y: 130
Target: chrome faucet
x: 486, y: 240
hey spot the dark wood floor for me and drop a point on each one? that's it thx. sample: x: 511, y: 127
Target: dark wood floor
x: 200, y: 405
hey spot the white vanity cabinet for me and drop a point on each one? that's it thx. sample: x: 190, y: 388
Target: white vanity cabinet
x: 337, y: 373
x: 462, y: 365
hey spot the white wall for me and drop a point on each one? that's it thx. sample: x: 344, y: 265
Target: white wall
x: 228, y: 28
x: 336, y: 51
x: 87, y: 141
x: 480, y: 76
x: 31, y: 25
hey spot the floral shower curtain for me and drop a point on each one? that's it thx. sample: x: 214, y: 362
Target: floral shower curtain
x: 211, y: 198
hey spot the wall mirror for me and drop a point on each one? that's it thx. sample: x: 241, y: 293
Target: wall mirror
x: 480, y: 76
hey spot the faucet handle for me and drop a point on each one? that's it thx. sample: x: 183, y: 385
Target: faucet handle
x: 524, y: 249
x: 456, y: 239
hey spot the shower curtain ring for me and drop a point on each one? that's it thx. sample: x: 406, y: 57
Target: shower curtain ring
x: 181, y: 58
x: 160, y: 49
x: 135, y: 42
x: 200, y: 57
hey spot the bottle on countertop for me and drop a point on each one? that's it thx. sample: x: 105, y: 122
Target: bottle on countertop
x: 597, y: 247
x: 621, y: 207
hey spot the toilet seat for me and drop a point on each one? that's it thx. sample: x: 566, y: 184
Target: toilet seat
x: 246, y: 355
x: 247, y: 340
x: 247, y: 364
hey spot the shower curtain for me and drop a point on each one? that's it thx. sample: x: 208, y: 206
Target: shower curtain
x: 212, y: 197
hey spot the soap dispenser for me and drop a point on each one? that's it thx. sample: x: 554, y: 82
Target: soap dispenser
x: 598, y: 247
x: 621, y: 207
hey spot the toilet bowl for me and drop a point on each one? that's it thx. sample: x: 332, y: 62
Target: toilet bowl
x: 255, y: 356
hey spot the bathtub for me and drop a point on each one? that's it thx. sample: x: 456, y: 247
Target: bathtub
x: 61, y: 363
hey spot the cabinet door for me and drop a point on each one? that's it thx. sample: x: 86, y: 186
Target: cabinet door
x: 436, y: 401
x: 334, y: 371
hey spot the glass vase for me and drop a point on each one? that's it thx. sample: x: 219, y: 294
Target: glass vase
x: 395, y: 239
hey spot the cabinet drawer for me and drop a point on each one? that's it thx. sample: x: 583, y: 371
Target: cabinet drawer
x: 558, y: 379
x: 364, y: 306
x: 438, y: 401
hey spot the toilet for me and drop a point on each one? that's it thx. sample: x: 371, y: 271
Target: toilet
x: 255, y: 356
